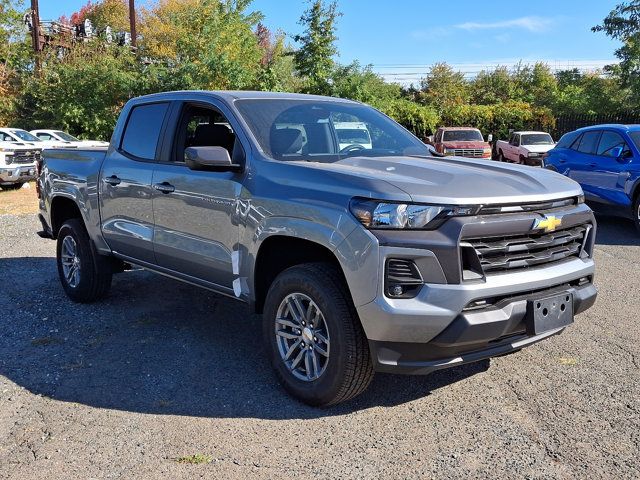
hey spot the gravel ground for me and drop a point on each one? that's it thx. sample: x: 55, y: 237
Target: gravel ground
x: 163, y: 380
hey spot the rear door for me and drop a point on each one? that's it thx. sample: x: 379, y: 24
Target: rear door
x: 195, y: 231
x: 125, y: 190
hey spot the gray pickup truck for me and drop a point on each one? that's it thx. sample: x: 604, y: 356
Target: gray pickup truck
x: 370, y: 256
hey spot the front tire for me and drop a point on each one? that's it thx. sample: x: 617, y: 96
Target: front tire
x: 85, y: 275
x: 501, y: 156
x: 314, y: 339
x: 12, y: 186
x: 636, y: 212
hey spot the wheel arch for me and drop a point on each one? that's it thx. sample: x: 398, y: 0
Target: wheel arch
x: 279, y: 252
x: 62, y: 209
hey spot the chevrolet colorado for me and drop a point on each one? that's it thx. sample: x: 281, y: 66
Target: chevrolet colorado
x: 360, y: 258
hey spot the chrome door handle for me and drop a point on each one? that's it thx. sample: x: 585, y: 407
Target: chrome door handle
x: 113, y: 180
x: 164, y: 187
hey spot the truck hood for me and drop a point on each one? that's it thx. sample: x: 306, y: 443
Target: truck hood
x: 460, y: 181
x: 474, y: 144
x: 537, y: 148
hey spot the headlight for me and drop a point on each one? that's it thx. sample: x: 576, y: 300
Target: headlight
x: 486, y: 150
x: 449, y: 151
x: 6, y: 150
x: 386, y: 215
x: 533, y: 154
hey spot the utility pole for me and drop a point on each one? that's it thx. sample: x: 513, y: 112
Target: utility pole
x: 132, y: 22
x: 35, y: 32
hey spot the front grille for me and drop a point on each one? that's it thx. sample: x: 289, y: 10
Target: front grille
x: 529, y: 207
x: 22, y: 157
x: 468, y: 152
x: 498, y: 254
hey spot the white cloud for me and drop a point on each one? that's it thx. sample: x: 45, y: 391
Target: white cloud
x: 532, y: 24
x: 430, y: 34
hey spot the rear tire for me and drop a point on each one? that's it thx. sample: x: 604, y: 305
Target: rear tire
x: 346, y: 370
x: 85, y: 275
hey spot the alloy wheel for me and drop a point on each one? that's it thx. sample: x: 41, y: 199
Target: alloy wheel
x: 302, y: 337
x: 70, y: 261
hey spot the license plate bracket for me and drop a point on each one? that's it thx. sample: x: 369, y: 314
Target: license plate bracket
x: 550, y: 312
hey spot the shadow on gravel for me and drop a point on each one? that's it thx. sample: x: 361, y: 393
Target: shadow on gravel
x: 616, y: 231
x: 158, y: 346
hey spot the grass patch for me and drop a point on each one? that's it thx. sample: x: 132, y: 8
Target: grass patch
x: 196, y: 459
x: 19, y: 202
x: 570, y: 361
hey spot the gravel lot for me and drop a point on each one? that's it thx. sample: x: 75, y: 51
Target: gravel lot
x: 163, y: 380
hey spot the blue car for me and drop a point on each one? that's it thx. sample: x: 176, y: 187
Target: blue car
x: 605, y: 161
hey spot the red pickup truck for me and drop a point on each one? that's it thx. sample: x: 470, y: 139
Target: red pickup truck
x: 461, y: 142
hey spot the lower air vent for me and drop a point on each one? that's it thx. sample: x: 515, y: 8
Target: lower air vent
x: 402, y: 278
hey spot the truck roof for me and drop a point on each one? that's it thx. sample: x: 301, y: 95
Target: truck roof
x: 528, y: 132
x: 231, y: 95
x: 458, y: 128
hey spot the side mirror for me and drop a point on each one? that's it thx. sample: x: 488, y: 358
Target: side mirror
x: 430, y: 139
x: 490, y: 138
x: 616, y: 152
x: 208, y: 158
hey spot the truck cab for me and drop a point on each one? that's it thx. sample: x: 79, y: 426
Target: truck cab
x: 461, y: 142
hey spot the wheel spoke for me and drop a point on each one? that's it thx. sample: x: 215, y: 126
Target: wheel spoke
x: 299, y: 308
x: 314, y: 362
x: 322, y: 338
x: 292, y: 349
x: 293, y: 310
x: 287, y: 335
x: 287, y: 323
x: 307, y: 364
x: 296, y: 361
x: 320, y: 350
x: 70, y: 273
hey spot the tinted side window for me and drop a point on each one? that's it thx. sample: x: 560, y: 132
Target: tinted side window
x: 589, y: 141
x: 142, y: 132
x: 567, y: 140
x: 44, y: 136
x: 609, y: 141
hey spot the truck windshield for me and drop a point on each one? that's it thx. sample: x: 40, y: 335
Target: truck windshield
x: 462, y: 136
x: 65, y: 136
x: 325, y: 131
x: 25, y: 136
x: 537, y: 139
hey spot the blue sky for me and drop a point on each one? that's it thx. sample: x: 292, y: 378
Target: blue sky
x: 400, y: 38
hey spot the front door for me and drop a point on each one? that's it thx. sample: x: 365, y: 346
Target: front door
x: 124, y: 186
x: 195, y: 233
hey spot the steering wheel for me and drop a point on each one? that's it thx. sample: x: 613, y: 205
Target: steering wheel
x: 354, y: 147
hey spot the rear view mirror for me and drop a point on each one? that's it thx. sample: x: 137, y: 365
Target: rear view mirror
x: 208, y: 158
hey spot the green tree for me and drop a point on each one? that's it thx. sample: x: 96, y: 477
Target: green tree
x: 623, y: 24
x: 535, y: 85
x: 491, y: 87
x: 443, y: 87
x: 314, y: 59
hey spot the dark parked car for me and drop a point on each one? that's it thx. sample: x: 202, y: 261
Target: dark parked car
x: 605, y: 161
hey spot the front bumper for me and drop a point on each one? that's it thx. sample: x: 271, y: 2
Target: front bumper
x: 452, y: 320
x: 475, y: 335
x: 17, y: 174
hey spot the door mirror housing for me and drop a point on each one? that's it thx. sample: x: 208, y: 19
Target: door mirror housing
x: 490, y: 138
x: 616, y: 152
x: 430, y: 139
x: 208, y: 158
